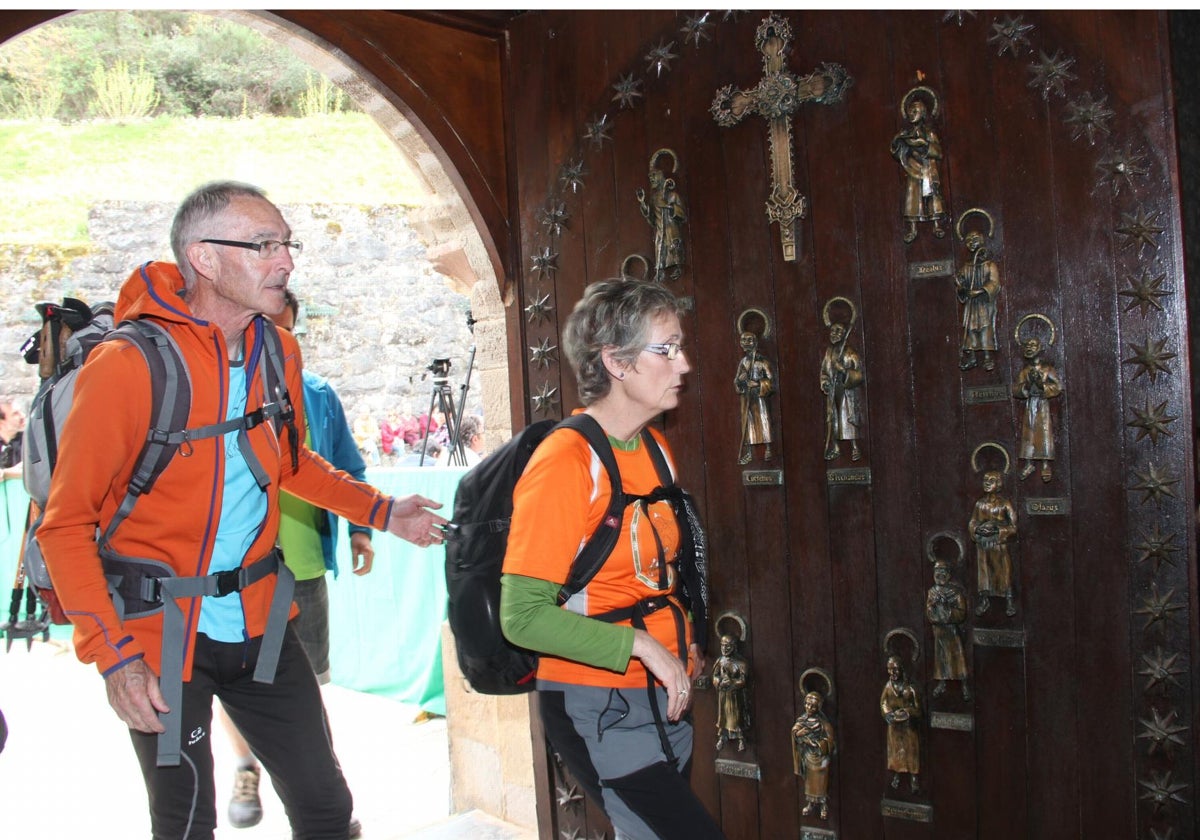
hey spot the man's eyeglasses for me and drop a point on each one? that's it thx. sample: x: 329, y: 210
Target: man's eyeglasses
x: 267, y: 249
x: 671, y: 350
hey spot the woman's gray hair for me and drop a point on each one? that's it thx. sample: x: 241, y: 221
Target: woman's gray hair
x: 612, y: 314
x: 196, y: 211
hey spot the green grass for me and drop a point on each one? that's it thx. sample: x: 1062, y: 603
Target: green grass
x: 52, y: 173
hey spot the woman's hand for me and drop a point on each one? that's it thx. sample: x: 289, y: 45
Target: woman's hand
x: 668, y: 669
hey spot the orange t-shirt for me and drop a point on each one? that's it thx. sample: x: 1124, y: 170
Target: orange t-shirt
x: 558, y: 503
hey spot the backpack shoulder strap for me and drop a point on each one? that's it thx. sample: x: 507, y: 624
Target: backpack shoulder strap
x: 277, y: 403
x: 170, y: 405
x: 601, y: 543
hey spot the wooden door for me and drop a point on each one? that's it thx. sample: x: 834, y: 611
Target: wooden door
x: 1057, y: 129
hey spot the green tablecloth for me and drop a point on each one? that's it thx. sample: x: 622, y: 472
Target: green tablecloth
x: 385, y: 627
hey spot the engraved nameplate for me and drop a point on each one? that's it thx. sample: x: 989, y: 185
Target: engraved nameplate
x: 999, y: 638
x: 807, y: 833
x: 848, y: 475
x: 741, y: 769
x: 980, y: 394
x: 762, y: 478
x: 935, y: 268
x: 1048, y: 507
x: 952, y: 720
x: 914, y: 811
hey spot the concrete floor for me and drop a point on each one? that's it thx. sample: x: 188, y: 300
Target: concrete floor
x: 68, y: 770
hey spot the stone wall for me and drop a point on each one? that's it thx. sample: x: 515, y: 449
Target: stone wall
x: 374, y: 311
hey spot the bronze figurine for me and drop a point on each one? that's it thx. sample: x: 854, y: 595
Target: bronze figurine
x: 978, y: 285
x: 1037, y: 384
x: 919, y: 152
x: 993, y: 525
x: 730, y: 675
x: 754, y: 382
x: 946, y: 610
x: 664, y: 210
x: 900, y: 704
x: 813, y: 746
x: 841, y: 383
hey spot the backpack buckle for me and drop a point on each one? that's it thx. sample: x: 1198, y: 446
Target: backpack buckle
x: 228, y: 581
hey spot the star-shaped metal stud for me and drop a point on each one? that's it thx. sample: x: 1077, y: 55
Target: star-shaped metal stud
x: 628, y: 90
x: 546, y: 399
x: 1162, y: 834
x: 1121, y: 168
x: 1161, y: 668
x: 958, y: 16
x: 596, y: 131
x: 1155, y: 484
x: 1162, y: 732
x: 572, y: 833
x: 1051, y: 74
x: 544, y: 355
x: 1139, y: 228
x: 659, y: 58
x: 1144, y: 292
x: 545, y: 262
x: 554, y: 217
x: 1010, y: 35
x: 1151, y: 357
x: 1088, y: 117
x: 1151, y: 422
x: 1157, y: 547
x: 1158, y: 608
x: 599, y: 835
x: 538, y: 312
x: 1161, y: 791
x: 569, y: 796
x: 733, y: 15
x: 696, y: 29
x: 571, y: 175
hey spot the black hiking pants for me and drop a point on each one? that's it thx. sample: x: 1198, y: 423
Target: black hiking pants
x: 285, y: 724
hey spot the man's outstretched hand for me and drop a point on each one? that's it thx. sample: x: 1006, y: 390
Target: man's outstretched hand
x: 413, y: 519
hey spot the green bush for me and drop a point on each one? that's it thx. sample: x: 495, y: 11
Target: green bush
x: 202, y: 66
x: 122, y: 96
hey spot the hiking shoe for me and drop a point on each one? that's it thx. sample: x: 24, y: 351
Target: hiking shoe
x: 355, y: 828
x: 245, y: 808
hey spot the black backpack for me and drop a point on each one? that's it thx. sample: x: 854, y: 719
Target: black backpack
x: 477, y: 539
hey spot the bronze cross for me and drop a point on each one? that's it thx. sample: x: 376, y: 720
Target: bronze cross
x: 778, y: 95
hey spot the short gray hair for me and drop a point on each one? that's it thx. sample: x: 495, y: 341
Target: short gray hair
x: 196, y: 211
x: 617, y: 314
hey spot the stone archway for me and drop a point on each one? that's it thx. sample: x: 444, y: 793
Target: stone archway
x: 453, y: 242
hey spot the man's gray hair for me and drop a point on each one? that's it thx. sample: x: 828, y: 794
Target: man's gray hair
x: 195, y: 213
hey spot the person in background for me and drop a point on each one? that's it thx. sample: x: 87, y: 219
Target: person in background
x: 307, y: 537
x: 12, y: 431
x: 208, y: 527
x: 614, y: 698
x: 470, y: 435
x: 414, y: 458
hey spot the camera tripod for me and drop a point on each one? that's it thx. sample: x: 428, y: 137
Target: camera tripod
x: 443, y: 398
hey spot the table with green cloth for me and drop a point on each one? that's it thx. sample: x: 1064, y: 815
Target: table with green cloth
x: 385, y: 627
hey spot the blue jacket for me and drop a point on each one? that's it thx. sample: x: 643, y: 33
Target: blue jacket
x: 333, y: 441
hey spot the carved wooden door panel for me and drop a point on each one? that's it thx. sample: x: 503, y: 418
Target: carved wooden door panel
x: 985, y: 301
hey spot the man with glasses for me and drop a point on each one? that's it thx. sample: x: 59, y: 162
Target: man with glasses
x: 206, y: 528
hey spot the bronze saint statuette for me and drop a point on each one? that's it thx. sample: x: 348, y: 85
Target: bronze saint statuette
x: 978, y: 287
x: 918, y: 150
x: 665, y: 211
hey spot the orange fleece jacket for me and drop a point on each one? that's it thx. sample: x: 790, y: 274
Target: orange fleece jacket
x: 176, y: 522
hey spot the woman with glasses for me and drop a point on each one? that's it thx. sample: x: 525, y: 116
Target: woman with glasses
x: 618, y: 658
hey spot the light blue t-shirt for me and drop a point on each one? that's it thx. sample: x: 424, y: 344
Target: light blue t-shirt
x: 243, y: 510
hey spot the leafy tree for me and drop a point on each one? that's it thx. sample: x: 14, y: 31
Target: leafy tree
x: 202, y: 65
